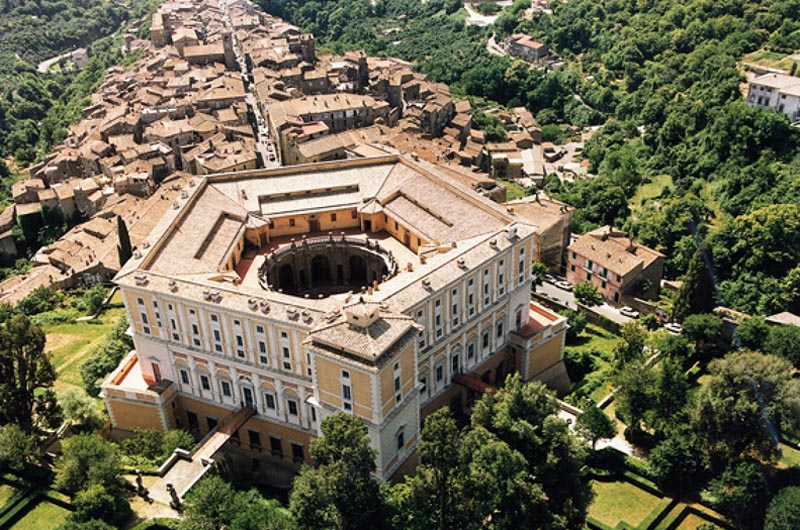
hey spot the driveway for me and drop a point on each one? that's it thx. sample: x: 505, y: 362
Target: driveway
x: 568, y: 299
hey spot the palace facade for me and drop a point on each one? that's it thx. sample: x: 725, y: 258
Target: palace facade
x: 377, y: 286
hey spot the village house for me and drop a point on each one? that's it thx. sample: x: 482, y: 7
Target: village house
x: 618, y: 265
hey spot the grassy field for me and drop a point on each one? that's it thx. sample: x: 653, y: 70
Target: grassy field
x: 769, y: 59
x: 44, y: 515
x: 595, y: 384
x: 790, y: 458
x: 621, y: 501
x: 513, y: 190
x: 6, y: 492
x: 70, y: 344
x: 650, y: 190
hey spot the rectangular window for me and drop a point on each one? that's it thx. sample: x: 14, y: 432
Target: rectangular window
x: 287, y: 363
x: 470, y: 297
x: 204, y: 383
x: 184, y: 377
x: 254, y: 438
x: 333, y: 217
x: 455, y: 365
x: 269, y: 400
x: 485, y: 343
x: 470, y: 351
x: 401, y: 441
x: 291, y: 222
x: 297, y: 452
x: 345, y: 374
x: 501, y: 288
x: 292, y: 406
x: 439, y: 373
x: 275, y: 446
x: 346, y: 393
x: 421, y: 322
x: 499, y: 330
x: 226, y: 388
x: 214, y: 318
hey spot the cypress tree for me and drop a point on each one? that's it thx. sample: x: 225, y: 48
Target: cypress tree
x: 697, y: 292
x: 124, y: 247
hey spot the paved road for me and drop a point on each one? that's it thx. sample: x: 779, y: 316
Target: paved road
x: 567, y: 298
x: 264, y: 143
x: 476, y: 19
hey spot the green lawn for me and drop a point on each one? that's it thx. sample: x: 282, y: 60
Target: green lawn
x: 621, y: 501
x: 790, y: 458
x: 69, y: 344
x: 596, y: 384
x: 650, y: 190
x: 691, y: 522
x: 769, y: 59
x: 513, y: 190
x: 6, y: 491
x: 44, y: 515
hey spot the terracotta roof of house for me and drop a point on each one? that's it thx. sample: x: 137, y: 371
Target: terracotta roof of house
x: 611, y: 249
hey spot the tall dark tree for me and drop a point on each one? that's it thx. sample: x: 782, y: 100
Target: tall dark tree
x: 743, y: 391
x: 523, y: 416
x: 438, y: 451
x: 593, y: 425
x: 696, y: 295
x: 25, y: 371
x: 341, y: 491
x: 783, y: 512
x: 124, y: 249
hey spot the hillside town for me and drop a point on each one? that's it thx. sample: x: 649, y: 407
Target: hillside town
x: 224, y: 87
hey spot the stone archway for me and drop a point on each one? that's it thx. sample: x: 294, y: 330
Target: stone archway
x: 358, y: 271
x: 320, y: 270
x: 286, y: 278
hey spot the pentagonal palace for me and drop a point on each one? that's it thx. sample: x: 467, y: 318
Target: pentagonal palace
x: 376, y: 286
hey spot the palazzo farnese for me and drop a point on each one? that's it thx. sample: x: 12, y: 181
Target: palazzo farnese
x: 266, y: 300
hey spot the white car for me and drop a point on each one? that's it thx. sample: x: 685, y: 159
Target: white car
x: 628, y: 312
x: 565, y: 285
x: 549, y: 278
x: 674, y: 328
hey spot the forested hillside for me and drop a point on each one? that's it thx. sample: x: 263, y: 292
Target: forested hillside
x: 35, y: 107
x: 36, y: 30
x: 664, y: 77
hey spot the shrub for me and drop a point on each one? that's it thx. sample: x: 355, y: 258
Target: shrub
x: 96, y: 503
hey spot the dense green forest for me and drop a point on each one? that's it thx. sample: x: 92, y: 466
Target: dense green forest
x: 37, y: 30
x: 663, y: 77
x: 36, y: 107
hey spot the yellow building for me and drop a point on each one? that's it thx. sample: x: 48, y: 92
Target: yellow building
x: 375, y: 286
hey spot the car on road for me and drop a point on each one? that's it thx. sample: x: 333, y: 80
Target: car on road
x: 628, y: 311
x: 563, y: 284
x: 674, y: 328
x: 549, y: 278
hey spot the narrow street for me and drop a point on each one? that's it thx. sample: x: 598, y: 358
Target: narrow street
x: 266, y: 148
x: 568, y: 299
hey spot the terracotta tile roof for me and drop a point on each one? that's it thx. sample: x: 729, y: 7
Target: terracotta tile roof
x: 610, y: 248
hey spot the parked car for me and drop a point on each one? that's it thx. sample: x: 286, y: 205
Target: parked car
x: 628, y: 312
x: 549, y: 278
x: 674, y: 328
x: 565, y: 285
